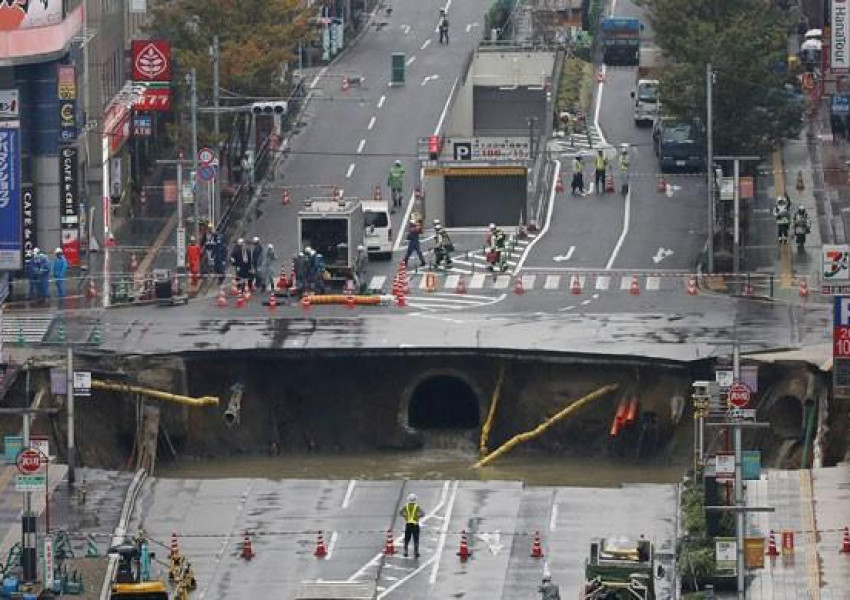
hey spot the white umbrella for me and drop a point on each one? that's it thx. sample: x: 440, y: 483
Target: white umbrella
x: 812, y: 45
x: 813, y: 33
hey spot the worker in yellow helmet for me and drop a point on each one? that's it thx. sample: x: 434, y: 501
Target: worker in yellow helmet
x: 411, y: 512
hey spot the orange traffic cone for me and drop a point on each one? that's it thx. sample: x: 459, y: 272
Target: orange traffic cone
x: 320, y: 551
x: 519, y: 289
x: 804, y: 288
x: 272, y: 302
x: 771, y: 545
x: 247, y: 549
x: 575, y: 285
x: 221, y: 301
x: 396, y: 285
x: 634, y: 288
x: 174, y: 549
x: 662, y: 185
x: 350, y: 303
x: 536, y: 549
x: 559, y: 185
x: 306, y: 304
x: 389, y: 547
x: 461, y: 285
x: 748, y: 288
x: 284, y: 197
x: 463, y: 552
x: 692, y: 286
x: 609, y: 183
x: 400, y: 301
x: 346, y: 84
x: 845, y: 541
x: 134, y: 262
x: 282, y: 283
x: 91, y: 290
x: 240, y: 300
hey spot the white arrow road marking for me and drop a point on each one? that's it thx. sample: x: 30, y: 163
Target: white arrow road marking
x: 410, y: 60
x: 492, y: 541
x: 381, y: 101
x: 350, y: 171
x: 405, y: 29
x: 562, y: 257
x: 348, y: 493
x: 429, y: 78
x: 671, y: 189
x: 661, y: 255
x: 425, y: 44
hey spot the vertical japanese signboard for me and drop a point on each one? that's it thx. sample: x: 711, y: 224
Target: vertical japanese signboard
x: 67, y: 103
x: 69, y: 217
x: 841, y: 344
x: 30, y: 219
x: 11, y: 244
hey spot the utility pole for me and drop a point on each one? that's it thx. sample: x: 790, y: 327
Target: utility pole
x: 194, y: 92
x: 214, y: 51
x: 736, y: 217
x: 69, y: 400
x: 180, y: 243
x: 709, y: 82
x: 29, y: 552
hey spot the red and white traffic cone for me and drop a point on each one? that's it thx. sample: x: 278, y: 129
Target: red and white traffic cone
x: 559, y: 184
x: 692, y: 286
x: 134, y: 262
x: 400, y: 300
x: 284, y: 197
x: 463, y: 552
x: 748, y: 288
x: 306, y: 304
x: 272, y: 302
x: 346, y: 84
x: 771, y: 545
x: 536, y: 548
x: 461, y: 285
x: 803, y: 288
x: 320, y: 551
x: 174, y: 548
x: 575, y: 285
x: 389, y: 547
x: 634, y: 288
x: 247, y: 548
x: 845, y: 541
x: 662, y: 185
x: 519, y: 288
x: 91, y: 290
x: 240, y: 300
x: 609, y: 184
x: 221, y: 301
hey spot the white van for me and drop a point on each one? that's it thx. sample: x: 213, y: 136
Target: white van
x: 379, y: 229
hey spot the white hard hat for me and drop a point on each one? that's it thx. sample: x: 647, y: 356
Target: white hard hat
x: 256, y: 240
x: 35, y: 250
x: 58, y: 251
x: 398, y: 162
x: 271, y: 246
x: 411, y: 498
x: 240, y: 241
x: 492, y: 226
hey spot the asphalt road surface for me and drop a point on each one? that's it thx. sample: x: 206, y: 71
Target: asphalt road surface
x: 283, y: 518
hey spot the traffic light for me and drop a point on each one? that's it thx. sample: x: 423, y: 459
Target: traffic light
x: 434, y: 147
x: 278, y: 107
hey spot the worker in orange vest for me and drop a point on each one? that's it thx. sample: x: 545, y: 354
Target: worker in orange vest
x: 193, y: 260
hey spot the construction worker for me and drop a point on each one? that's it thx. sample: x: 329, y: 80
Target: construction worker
x: 497, y: 237
x: 60, y: 269
x: 395, y: 181
x: 240, y: 258
x: 444, y: 248
x: 43, y: 266
x: 361, y: 262
x: 444, y: 26
x: 217, y: 248
x: 411, y: 513
x: 549, y: 589
x: 600, y: 165
x: 193, y: 260
x: 256, y: 261
x: 32, y: 274
x: 300, y: 265
x: 782, y: 214
x: 265, y: 271
x: 578, y: 176
x: 624, y: 169
x: 414, y: 232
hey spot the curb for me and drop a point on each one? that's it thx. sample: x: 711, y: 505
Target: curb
x: 121, y: 530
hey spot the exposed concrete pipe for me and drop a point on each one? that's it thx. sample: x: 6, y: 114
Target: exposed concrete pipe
x: 233, y: 413
x: 111, y: 386
x: 530, y: 435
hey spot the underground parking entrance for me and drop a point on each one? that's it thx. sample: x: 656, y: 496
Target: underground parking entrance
x: 443, y: 401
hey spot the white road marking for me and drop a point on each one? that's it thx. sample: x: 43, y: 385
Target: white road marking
x: 552, y: 282
x: 549, y: 211
x: 429, y: 78
x: 377, y: 283
x: 315, y: 81
x: 603, y: 282
x: 586, y: 302
x: 502, y: 282
x: 528, y: 281
x: 381, y: 101
x: 468, y: 27
x: 405, y: 29
x: 653, y: 284
x: 441, y: 544
x: 625, y: 283
x: 446, y: 107
x: 662, y: 254
x: 348, y: 492
x: 595, y: 296
x: 372, y: 122
x: 425, y: 44
x: 567, y: 256
x: 410, y: 60
x: 627, y: 209
x: 331, y: 544
x: 566, y: 308
x: 553, y: 520
x: 451, y: 282
x: 360, y: 146
x: 477, y: 281
x: 350, y: 171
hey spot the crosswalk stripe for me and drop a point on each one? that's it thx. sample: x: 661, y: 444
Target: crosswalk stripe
x: 528, y: 281
x: 477, y: 281
x: 625, y: 283
x: 552, y: 282
x: 502, y: 282
x: 653, y: 283
x: 377, y: 282
x: 423, y: 283
x: 451, y: 282
x: 461, y: 262
x: 603, y: 282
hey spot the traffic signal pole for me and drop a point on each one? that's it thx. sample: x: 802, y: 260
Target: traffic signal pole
x: 29, y: 556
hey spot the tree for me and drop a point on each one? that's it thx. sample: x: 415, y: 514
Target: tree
x: 258, y: 39
x: 746, y: 42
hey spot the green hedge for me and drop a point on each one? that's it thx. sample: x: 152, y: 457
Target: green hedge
x: 575, y: 89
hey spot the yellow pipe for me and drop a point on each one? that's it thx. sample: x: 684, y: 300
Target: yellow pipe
x: 110, y: 386
x: 530, y: 435
x: 491, y: 415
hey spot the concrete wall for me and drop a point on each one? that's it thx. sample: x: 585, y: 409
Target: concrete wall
x: 435, y: 197
x: 511, y: 68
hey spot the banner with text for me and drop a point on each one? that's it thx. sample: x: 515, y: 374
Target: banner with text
x: 11, y: 244
x: 69, y: 199
x: 840, y: 51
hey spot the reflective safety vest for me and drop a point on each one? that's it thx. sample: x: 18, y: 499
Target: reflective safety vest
x: 624, y: 162
x: 600, y: 163
x: 411, y: 513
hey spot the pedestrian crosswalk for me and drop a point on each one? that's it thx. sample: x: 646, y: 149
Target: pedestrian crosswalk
x: 582, y: 142
x: 32, y: 328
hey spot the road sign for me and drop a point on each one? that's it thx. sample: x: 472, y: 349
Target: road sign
x: 206, y: 155
x: 724, y: 466
x: 82, y: 383
x: 29, y: 461
x: 206, y: 172
x: 724, y: 378
x: 181, y: 246
x: 31, y: 483
x: 739, y: 395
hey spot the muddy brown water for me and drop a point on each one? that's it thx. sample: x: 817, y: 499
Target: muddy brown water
x: 443, y: 457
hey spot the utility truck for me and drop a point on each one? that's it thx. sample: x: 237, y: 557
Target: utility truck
x: 619, y: 569
x: 645, y: 93
x: 334, y: 228
x: 620, y: 38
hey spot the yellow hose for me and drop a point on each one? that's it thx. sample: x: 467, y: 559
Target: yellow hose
x: 530, y: 435
x: 342, y: 299
x: 491, y: 414
x: 110, y: 386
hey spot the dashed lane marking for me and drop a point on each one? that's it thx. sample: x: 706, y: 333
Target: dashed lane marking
x: 350, y: 171
x: 372, y: 122
x: 381, y: 101
x: 425, y: 44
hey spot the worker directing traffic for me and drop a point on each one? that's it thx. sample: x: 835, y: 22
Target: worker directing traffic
x: 395, y: 181
x: 411, y: 512
x: 549, y: 589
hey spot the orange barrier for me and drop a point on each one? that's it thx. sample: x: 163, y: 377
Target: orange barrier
x: 619, y: 417
x: 343, y: 299
x: 631, y: 414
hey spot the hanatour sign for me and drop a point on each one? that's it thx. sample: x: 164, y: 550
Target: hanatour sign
x: 839, y: 42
